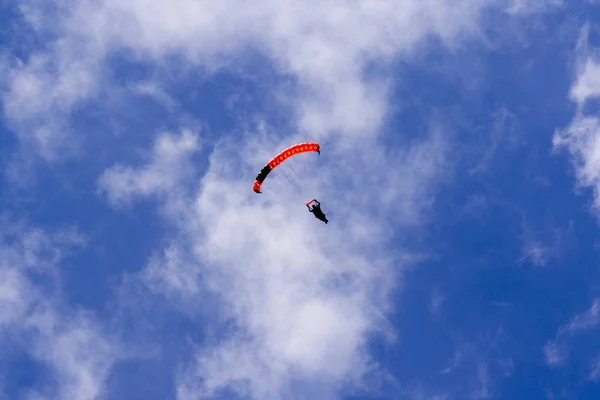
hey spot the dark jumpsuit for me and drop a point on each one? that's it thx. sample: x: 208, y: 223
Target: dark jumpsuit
x: 316, y: 210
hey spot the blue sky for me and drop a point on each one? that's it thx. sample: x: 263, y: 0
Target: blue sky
x: 460, y: 172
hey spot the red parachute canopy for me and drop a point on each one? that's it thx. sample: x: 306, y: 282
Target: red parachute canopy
x: 281, y: 157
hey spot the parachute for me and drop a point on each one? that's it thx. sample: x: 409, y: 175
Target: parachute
x: 281, y: 157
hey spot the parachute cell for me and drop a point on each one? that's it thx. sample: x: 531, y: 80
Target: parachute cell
x: 281, y: 157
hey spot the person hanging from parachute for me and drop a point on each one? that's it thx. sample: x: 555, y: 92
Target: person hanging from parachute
x: 316, y: 210
x: 280, y: 158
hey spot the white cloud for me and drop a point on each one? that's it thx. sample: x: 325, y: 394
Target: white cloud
x: 154, y: 91
x: 582, y: 139
x: 74, y: 351
x: 587, y: 85
x: 524, y: 7
x: 583, y: 321
x: 454, y: 363
x: 483, y: 391
x: 542, y: 246
x: 77, y: 350
x: 41, y: 94
x: 505, y: 135
x: 594, y: 373
x: 169, y: 165
x: 537, y: 253
x: 303, y: 298
x: 556, y: 351
x: 326, y: 46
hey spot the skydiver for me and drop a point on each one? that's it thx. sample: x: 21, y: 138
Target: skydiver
x: 316, y: 210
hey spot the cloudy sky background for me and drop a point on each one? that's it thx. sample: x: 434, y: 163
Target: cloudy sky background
x: 460, y: 172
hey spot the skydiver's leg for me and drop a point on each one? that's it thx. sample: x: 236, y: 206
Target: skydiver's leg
x: 321, y: 216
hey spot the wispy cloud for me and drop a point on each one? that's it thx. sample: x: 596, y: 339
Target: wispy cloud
x: 454, y: 363
x: 594, y: 371
x: 483, y: 392
x: 505, y: 135
x: 522, y: 7
x: 556, y: 351
x: 541, y: 246
x: 582, y: 137
x: 587, y: 85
